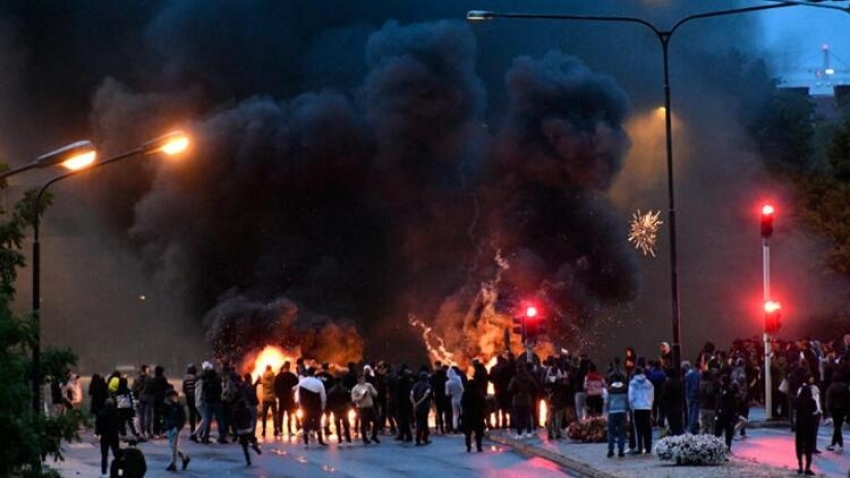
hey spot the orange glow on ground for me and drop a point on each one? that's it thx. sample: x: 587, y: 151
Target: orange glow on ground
x: 544, y: 412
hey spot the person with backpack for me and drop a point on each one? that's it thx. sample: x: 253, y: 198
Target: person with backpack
x: 594, y: 385
x: 124, y: 402
x: 129, y: 463
x: 173, y: 420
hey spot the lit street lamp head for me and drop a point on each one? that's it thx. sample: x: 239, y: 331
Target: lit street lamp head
x: 73, y: 156
x: 172, y: 143
x: 479, y: 15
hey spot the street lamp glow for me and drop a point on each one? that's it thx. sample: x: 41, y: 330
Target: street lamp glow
x: 830, y: 71
x: 79, y: 161
x: 171, y: 144
x: 479, y: 15
x: 72, y: 156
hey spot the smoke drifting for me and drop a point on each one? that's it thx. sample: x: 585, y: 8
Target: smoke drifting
x: 349, y: 172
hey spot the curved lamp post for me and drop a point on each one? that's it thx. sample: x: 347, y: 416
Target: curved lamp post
x: 169, y: 144
x: 664, y: 36
x: 74, y: 156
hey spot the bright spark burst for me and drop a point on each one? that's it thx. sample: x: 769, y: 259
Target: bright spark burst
x: 643, y: 231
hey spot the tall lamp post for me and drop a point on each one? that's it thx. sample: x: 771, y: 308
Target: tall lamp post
x: 170, y: 144
x: 664, y: 36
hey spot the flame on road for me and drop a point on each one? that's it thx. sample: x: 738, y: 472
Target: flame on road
x: 270, y: 355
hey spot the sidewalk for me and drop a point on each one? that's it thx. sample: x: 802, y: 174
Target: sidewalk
x: 768, y: 451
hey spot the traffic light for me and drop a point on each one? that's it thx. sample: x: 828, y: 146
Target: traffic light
x: 767, y: 221
x: 533, y: 324
x: 772, y: 316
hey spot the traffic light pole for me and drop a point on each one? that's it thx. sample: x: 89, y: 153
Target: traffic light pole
x: 768, y: 385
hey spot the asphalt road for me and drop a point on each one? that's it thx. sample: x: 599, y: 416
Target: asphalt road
x: 282, y: 458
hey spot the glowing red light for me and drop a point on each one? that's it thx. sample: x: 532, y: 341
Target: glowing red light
x: 772, y: 306
x: 767, y: 210
x: 531, y: 312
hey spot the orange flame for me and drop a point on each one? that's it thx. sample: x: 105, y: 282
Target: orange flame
x: 270, y: 355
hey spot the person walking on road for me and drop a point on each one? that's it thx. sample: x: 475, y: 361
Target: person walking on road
x: 284, y: 386
x: 173, y: 420
x: 522, y: 387
x: 312, y: 399
x: 106, y: 427
x: 473, y: 409
x: 454, y: 391
x: 727, y: 410
x: 837, y: 401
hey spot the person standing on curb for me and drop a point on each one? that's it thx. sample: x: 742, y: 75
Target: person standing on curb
x: 617, y: 407
x: 173, y: 420
x: 641, y: 397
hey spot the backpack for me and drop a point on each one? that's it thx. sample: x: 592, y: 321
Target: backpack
x: 129, y: 463
x: 228, y: 392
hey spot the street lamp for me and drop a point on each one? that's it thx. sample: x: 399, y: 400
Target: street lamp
x: 170, y: 144
x: 73, y: 156
x: 664, y: 37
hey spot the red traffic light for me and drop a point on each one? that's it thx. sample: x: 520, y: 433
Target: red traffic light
x: 531, y: 312
x: 767, y: 212
x: 772, y: 306
x: 772, y: 316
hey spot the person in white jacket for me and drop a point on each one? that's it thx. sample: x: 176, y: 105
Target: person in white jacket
x: 454, y: 390
x: 641, y: 396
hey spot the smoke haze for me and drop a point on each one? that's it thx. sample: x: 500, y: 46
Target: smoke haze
x: 355, y: 165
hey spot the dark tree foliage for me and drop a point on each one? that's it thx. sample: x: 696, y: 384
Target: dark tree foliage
x: 26, y: 438
x: 784, y: 131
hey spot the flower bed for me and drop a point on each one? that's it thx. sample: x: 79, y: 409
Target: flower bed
x: 590, y: 430
x: 690, y: 449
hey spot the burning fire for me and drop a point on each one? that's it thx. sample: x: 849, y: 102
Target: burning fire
x: 270, y: 355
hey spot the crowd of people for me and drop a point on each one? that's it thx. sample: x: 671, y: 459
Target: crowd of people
x: 305, y: 400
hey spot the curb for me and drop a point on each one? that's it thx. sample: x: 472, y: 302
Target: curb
x: 582, y: 469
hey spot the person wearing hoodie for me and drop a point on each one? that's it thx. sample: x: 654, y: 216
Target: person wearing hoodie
x: 269, y: 399
x: 641, y: 396
x: 313, y: 400
x: 454, y: 391
x: 617, y: 408
x: 523, y: 388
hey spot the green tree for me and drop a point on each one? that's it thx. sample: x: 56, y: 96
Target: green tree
x: 784, y: 132
x: 26, y: 437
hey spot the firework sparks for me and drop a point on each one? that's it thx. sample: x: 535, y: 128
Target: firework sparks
x: 643, y: 231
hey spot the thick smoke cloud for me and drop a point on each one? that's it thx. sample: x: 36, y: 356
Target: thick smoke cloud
x: 355, y: 171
